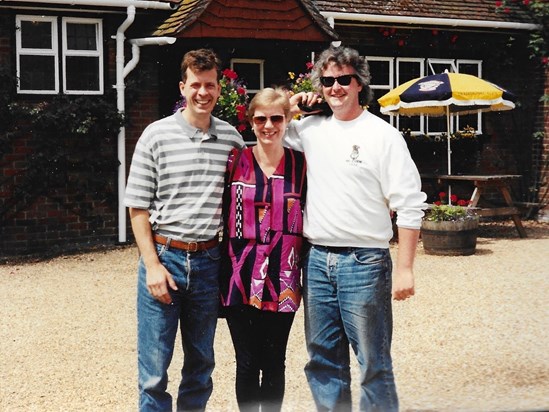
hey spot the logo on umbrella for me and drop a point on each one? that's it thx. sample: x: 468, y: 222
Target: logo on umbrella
x: 429, y: 86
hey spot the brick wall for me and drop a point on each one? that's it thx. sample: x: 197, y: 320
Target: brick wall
x: 62, y: 220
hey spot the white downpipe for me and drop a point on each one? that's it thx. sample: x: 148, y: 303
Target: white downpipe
x: 121, y: 106
x: 121, y: 72
x: 141, y: 4
x: 427, y: 21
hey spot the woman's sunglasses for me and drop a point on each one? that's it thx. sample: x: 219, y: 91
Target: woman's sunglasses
x: 261, y: 120
x: 345, y: 80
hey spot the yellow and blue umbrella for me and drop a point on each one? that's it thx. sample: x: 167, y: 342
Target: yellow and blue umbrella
x: 446, y: 94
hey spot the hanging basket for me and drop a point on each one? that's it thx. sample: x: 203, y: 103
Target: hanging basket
x: 450, y: 238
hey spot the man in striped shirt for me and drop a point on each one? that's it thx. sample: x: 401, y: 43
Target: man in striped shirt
x: 174, y: 195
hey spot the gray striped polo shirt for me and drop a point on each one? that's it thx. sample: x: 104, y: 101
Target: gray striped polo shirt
x: 177, y: 174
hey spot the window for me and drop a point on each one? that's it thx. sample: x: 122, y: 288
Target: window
x: 39, y: 59
x: 251, y: 72
x: 388, y: 73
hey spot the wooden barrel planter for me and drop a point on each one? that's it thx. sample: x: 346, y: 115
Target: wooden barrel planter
x: 450, y: 238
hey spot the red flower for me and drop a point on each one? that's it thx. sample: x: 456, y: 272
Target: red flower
x: 401, y: 43
x: 442, y: 195
x: 241, y: 90
x: 462, y: 202
x: 231, y: 74
x: 241, y: 112
x: 526, y: 2
x: 241, y: 127
x: 499, y: 3
x: 453, y: 198
x: 438, y: 202
x: 309, y: 65
x: 544, y: 60
x: 454, y: 38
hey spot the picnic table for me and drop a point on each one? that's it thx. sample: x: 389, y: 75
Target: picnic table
x: 482, y: 183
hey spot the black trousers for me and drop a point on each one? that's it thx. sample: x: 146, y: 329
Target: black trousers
x: 260, y: 339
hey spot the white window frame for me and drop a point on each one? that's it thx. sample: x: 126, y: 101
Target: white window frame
x: 86, y: 53
x: 53, y: 51
x: 479, y: 74
x: 421, y: 63
x: 257, y: 62
x: 60, y: 57
x: 427, y: 69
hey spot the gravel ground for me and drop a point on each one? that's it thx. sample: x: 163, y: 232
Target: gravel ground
x: 474, y: 338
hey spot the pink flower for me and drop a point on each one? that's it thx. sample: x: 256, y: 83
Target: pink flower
x: 309, y: 65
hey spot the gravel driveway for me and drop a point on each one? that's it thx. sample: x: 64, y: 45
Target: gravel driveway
x: 474, y: 338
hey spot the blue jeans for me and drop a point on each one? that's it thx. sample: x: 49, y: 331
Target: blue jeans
x: 347, y: 297
x: 194, y: 309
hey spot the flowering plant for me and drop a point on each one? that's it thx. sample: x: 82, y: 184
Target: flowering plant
x: 455, y: 210
x: 467, y: 133
x: 232, y: 102
x: 301, y: 82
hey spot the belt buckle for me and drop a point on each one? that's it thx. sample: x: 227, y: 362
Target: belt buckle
x: 192, y: 247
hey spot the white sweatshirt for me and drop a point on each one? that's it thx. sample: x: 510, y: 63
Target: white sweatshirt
x: 357, y: 172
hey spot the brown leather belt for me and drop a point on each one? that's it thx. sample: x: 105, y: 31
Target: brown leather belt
x: 188, y: 247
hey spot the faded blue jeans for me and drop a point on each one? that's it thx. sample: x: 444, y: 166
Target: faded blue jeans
x: 347, y: 299
x: 194, y: 309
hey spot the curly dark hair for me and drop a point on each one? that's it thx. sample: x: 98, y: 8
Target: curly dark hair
x: 344, y: 56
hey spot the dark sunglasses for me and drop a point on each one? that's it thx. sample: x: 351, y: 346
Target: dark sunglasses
x: 261, y: 120
x: 345, y: 80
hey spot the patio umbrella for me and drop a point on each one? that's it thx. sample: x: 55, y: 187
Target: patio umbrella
x: 446, y: 94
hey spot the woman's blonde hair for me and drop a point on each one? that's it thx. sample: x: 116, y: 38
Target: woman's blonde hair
x: 270, y: 97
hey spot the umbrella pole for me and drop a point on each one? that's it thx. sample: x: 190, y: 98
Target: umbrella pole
x: 449, y: 151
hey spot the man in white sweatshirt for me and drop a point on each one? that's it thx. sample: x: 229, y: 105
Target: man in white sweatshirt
x: 359, y: 170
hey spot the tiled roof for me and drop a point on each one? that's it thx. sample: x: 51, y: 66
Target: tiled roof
x: 190, y: 11
x: 445, y: 9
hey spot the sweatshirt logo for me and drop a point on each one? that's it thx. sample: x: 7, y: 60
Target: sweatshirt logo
x: 355, y: 154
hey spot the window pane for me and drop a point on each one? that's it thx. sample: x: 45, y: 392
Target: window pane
x: 250, y: 73
x: 408, y: 71
x: 81, y: 37
x: 36, y: 35
x: 82, y: 73
x: 37, y: 73
x: 380, y: 72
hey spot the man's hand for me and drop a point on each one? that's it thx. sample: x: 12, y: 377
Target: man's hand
x: 303, y: 100
x: 403, y: 285
x: 158, y: 280
x: 158, y: 277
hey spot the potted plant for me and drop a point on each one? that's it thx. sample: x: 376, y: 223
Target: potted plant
x: 449, y: 228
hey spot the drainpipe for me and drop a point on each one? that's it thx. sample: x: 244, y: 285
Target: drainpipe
x: 121, y: 106
x: 121, y: 73
x: 426, y: 21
